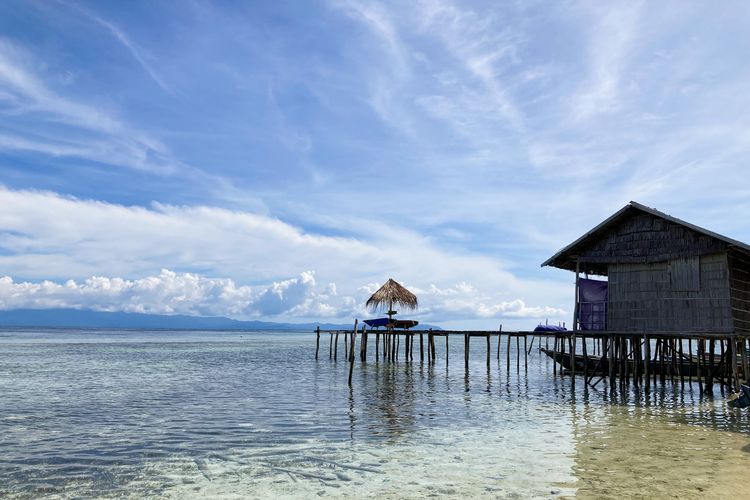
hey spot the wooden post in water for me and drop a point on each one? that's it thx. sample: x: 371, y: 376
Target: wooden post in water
x: 554, y: 364
x: 377, y: 345
x: 330, y: 346
x: 466, y: 351
x: 336, y: 347
x: 722, y: 361
x: 525, y: 354
x: 611, y: 363
x: 421, y: 347
x: 499, y: 338
x: 710, y: 378
x: 518, y: 355
x: 489, y: 349
x: 743, y: 357
x: 507, y: 355
x: 679, y: 366
x: 699, y: 348
x: 573, y: 359
x: 363, y: 345
x: 434, y: 356
x: 637, y: 368
x: 429, y: 346
x: 646, y: 361
x: 351, y: 351
x: 576, y: 317
x: 735, y: 376
x: 407, y: 339
x: 446, y: 350
x: 346, y: 347
x: 585, y: 360
x: 690, y: 362
x: 317, y: 342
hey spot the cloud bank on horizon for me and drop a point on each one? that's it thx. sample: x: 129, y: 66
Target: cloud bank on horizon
x: 280, y: 160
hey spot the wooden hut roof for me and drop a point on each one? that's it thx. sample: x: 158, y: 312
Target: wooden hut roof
x: 390, y: 294
x: 567, y: 257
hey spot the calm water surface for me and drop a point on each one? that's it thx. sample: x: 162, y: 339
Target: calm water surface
x: 238, y: 414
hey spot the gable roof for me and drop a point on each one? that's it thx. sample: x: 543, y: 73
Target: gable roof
x: 566, y: 254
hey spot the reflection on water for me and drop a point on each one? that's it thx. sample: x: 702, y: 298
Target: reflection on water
x: 233, y: 414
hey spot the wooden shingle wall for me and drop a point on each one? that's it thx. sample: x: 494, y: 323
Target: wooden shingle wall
x: 661, y: 296
x: 646, y: 238
x: 739, y: 282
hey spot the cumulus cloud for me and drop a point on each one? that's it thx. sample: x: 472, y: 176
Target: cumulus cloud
x: 192, y: 294
x: 166, y: 293
x: 285, y: 295
x: 266, y: 264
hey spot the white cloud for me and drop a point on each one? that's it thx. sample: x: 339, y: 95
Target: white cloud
x: 193, y: 294
x: 126, y: 42
x: 90, y: 132
x: 613, y: 33
x: 47, y: 236
x: 166, y: 293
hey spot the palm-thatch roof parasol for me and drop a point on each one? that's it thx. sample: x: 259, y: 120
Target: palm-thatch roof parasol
x: 392, y: 294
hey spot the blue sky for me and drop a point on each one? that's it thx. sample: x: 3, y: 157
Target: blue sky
x: 280, y: 160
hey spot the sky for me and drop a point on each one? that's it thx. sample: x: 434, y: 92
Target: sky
x: 281, y: 160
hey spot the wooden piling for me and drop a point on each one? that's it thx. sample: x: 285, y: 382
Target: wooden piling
x: 421, y: 347
x: 700, y: 365
x: 585, y: 360
x: 722, y: 377
x: 434, y: 356
x: 446, y: 351
x: 317, y: 341
x: 679, y: 366
x: 499, y: 338
x: 507, y: 355
x: 611, y: 361
x: 429, y: 346
x: 336, y: 347
x: 466, y: 351
x: 646, y: 361
x: 351, y: 352
x: 690, y: 362
x: 525, y: 354
x: 735, y: 376
x: 573, y: 359
x: 363, y: 345
x: 489, y: 349
x: 518, y: 356
x: 711, y: 367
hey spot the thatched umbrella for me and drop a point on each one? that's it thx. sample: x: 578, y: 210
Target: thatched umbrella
x: 392, y: 293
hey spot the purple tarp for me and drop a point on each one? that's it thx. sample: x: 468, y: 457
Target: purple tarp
x: 550, y: 328
x: 592, y: 312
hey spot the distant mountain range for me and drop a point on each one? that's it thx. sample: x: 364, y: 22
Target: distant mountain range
x: 76, y: 318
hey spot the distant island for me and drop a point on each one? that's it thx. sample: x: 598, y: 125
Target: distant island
x: 78, y: 318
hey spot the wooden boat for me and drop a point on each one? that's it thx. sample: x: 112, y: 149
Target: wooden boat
x: 688, y: 366
x: 741, y: 400
x: 404, y: 324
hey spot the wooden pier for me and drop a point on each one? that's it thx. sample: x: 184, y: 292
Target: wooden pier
x: 621, y: 358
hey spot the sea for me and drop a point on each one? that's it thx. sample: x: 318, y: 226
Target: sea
x: 231, y: 414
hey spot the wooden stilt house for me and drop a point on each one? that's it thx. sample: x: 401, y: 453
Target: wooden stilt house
x: 658, y: 274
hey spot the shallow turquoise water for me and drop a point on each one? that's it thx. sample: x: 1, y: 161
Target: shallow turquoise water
x: 238, y: 414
